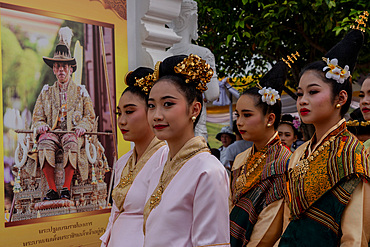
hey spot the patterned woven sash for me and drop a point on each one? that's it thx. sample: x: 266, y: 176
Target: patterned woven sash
x: 342, y: 157
x: 265, y: 186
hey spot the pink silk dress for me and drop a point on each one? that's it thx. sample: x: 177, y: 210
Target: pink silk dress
x: 194, y: 208
x: 126, y: 228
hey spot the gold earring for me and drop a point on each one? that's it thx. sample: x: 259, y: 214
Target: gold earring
x: 193, y: 118
x: 268, y: 125
x: 337, y: 106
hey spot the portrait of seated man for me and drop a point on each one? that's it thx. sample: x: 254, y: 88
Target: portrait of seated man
x: 62, y: 106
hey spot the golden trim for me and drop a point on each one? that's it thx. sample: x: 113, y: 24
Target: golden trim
x: 55, y: 15
x: 57, y: 217
x: 119, y: 7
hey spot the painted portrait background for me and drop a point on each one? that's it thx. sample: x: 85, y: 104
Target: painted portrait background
x: 25, y: 38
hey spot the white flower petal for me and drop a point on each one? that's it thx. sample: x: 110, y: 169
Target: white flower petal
x: 334, y: 61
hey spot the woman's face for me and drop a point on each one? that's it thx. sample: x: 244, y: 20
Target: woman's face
x: 251, y: 122
x: 286, y: 134
x: 365, y: 99
x: 132, y: 117
x: 169, y: 112
x: 314, y: 103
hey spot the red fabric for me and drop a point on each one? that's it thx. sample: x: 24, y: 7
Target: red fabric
x: 49, y: 174
x: 68, y: 175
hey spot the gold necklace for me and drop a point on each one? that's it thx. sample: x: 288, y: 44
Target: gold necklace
x: 303, y: 165
x: 242, y: 179
x: 129, y: 178
x: 165, y: 179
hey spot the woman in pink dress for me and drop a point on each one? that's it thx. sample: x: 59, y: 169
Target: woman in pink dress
x: 133, y: 170
x: 189, y: 205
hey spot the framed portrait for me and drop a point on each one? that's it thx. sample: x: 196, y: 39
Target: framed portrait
x: 33, y: 36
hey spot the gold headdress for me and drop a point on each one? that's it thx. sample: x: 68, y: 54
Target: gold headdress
x: 290, y: 58
x: 196, y: 71
x: 146, y: 83
x: 361, y: 21
x: 156, y: 70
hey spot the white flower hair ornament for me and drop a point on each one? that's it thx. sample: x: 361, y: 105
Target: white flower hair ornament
x: 335, y: 72
x: 269, y: 95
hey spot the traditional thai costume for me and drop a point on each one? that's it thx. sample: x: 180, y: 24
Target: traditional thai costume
x: 63, y: 110
x: 257, y: 192
x: 326, y: 189
x: 189, y: 204
x: 367, y: 146
x: 125, y: 226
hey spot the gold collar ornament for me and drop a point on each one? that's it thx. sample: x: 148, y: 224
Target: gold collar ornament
x: 357, y: 123
x: 196, y: 71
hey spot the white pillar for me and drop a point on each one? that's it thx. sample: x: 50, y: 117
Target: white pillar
x: 148, y: 37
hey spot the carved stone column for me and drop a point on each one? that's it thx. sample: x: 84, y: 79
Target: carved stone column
x: 148, y: 37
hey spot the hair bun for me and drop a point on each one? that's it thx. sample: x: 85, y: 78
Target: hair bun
x: 347, y: 50
x: 192, y: 69
x: 138, y: 73
x: 287, y: 118
x: 168, y: 65
x: 276, y: 77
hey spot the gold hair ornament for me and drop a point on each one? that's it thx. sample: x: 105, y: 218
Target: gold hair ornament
x: 336, y: 72
x: 196, y: 71
x: 361, y: 21
x: 290, y: 58
x: 146, y: 83
x: 354, y: 123
x: 156, y: 70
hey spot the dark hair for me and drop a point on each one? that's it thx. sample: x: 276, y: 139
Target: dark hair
x: 275, y: 79
x: 334, y: 85
x: 265, y: 108
x: 288, y: 119
x: 215, y: 152
x: 366, y: 77
x: 130, y: 80
x: 167, y: 72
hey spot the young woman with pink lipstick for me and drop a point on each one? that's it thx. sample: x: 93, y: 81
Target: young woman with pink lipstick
x: 326, y: 179
x: 189, y: 204
x: 134, y: 169
x: 256, y: 199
